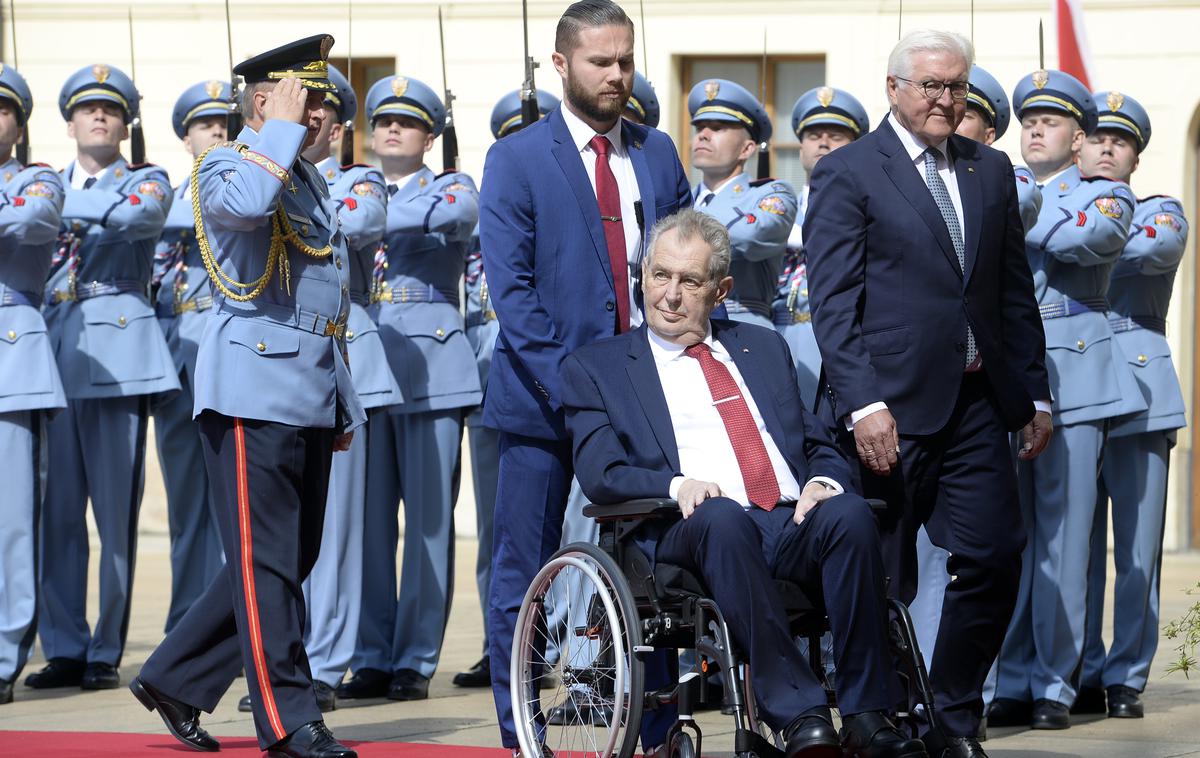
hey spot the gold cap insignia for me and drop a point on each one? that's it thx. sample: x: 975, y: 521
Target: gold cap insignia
x: 213, y: 89
x: 825, y: 96
x: 1115, y: 100
x: 399, y: 86
x: 1040, y: 78
x: 100, y: 71
x: 711, y: 88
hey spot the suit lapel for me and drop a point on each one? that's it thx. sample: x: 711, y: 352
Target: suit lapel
x: 571, y: 164
x: 971, y: 193
x: 900, y: 169
x: 647, y: 388
x: 641, y: 171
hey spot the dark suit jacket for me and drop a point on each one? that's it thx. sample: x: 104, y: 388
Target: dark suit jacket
x: 624, y: 444
x: 546, y: 260
x: 890, y: 303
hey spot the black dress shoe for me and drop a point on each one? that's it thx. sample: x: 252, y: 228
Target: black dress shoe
x: 577, y: 710
x: 1089, y: 700
x: 479, y: 675
x: 244, y: 705
x: 1123, y: 703
x: 408, y: 685
x: 366, y: 683
x: 811, y: 737
x: 182, y: 720
x: 1050, y: 714
x: 940, y: 746
x: 100, y: 676
x: 5, y: 692
x: 872, y: 735
x: 313, y: 740
x: 58, y: 672
x: 1009, y: 712
x: 326, y: 697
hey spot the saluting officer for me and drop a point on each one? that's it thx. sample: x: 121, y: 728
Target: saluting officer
x: 824, y: 119
x: 112, y: 358
x: 1137, y: 450
x: 1081, y: 230
x: 274, y: 400
x: 184, y: 298
x: 730, y: 123
x: 31, y: 199
x: 482, y: 329
x: 414, y: 450
x: 642, y: 107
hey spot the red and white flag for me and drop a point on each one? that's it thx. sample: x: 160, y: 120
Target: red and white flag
x: 1074, y: 56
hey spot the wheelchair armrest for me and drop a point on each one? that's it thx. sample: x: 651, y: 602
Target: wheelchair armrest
x: 878, y: 507
x: 650, y: 507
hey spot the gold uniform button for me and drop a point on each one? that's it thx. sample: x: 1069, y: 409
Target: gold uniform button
x: 337, y: 262
x: 121, y: 321
x: 349, y: 335
x: 1141, y: 358
x: 1081, y: 344
x: 262, y: 347
x: 440, y: 332
x: 304, y: 229
x: 12, y: 335
x: 1062, y: 185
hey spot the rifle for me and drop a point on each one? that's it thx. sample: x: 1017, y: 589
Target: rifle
x: 449, y: 134
x: 137, y: 140
x: 23, y: 145
x: 764, y: 149
x: 347, y: 156
x: 645, y: 57
x: 529, y: 104
x: 233, y: 123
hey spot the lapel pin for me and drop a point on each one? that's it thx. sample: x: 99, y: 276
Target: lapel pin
x: 745, y: 350
x: 970, y: 169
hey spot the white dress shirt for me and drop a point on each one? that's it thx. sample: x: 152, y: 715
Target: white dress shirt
x: 401, y: 183
x: 705, y: 451
x: 622, y: 168
x: 796, y: 236
x: 703, y: 193
x: 79, y: 175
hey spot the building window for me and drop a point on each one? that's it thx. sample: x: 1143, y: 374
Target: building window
x: 362, y: 74
x: 787, y: 78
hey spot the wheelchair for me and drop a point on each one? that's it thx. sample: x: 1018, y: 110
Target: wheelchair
x: 629, y: 610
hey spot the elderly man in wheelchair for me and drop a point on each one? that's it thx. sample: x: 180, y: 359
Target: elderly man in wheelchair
x: 726, y: 528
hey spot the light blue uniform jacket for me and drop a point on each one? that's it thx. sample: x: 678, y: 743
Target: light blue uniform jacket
x: 1029, y: 196
x: 109, y: 345
x: 1140, y: 291
x: 185, y: 296
x: 429, y: 223
x: 277, y: 357
x: 360, y: 195
x: 482, y: 326
x: 1080, y: 233
x: 31, y: 201
x: 759, y: 217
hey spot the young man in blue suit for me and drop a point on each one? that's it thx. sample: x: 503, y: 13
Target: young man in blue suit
x: 112, y: 358
x: 31, y: 199
x: 924, y: 311
x: 707, y: 412
x: 563, y: 211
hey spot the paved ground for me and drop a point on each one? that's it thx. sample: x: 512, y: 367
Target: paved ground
x: 466, y: 717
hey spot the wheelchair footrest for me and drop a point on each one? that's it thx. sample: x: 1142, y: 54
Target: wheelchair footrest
x: 747, y: 742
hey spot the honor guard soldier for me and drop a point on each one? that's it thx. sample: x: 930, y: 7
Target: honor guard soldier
x: 824, y: 119
x: 1080, y: 233
x: 31, y: 199
x: 274, y: 401
x: 730, y: 124
x: 482, y: 329
x: 1137, y: 449
x: 112, y: 358
x: 184, y: 299
x: 414, y: 450
x: 642, y: 107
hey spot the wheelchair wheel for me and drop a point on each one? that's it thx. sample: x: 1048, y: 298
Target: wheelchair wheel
x: 682, y: 747
x: 596, y: 709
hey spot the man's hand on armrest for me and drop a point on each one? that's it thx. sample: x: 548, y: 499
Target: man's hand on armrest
x: 691, y: 493
x: 815, y: 491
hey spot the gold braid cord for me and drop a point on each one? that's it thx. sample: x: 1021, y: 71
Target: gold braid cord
x: 281, y: 233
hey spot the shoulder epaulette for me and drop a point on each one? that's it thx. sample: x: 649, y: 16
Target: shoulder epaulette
x: 349, y: 166
x: 1098, y: 178
x: 447, y: 172
x: 760, y: 182
x: 40, y: 165
x: 140, y: 166
x: 1148, y: 198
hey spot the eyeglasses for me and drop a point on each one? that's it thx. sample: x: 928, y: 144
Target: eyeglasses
x: 933, y: 89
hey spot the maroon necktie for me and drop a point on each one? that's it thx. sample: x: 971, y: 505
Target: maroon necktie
x: 609, y: 198
x: 757, y: 472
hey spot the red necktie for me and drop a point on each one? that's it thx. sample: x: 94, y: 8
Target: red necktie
x: 757, y: 472
x: 609, y: 198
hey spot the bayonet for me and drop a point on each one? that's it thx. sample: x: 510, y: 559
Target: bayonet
x: 449, y: 133
x: 347, y: 156
x: 23, y: 145
x: 233, y: 124
x: 137, y: 140
x: 764, y: 149
x: 529, y: 104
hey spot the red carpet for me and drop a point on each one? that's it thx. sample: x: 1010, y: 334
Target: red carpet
x: 123, y: 745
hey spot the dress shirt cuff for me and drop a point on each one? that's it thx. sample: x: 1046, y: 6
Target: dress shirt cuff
x: 673, y: 489
x: 829, y: 483
x: 1041, y: 406
x: 863, y: 412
